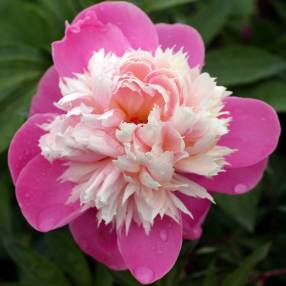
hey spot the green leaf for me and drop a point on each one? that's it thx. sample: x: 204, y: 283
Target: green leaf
x: 61, y: 249
x: 240, y: 276
x: 242, y: 65
x: 124, y: 278
x: 211, y: 278
x: 13, y: 113
x: 5, y: 206
x: 37, y: 269
x: 18, y: 79
x: 271, y: 91
x: 16, y: 53
x: 151, y: 6
x: 171, y: 278
x: 19, y: 65
x: 242, y: 209
x: 103, y: 276
x: 280, y: 7
x: 86, y: 3
x: 62, y: 10
x: 244, y: 8
x: 211, y: 17
x: 13, y: 284
x: 241, y: 14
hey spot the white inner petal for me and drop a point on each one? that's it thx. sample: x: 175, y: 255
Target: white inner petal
x: 131, y: 124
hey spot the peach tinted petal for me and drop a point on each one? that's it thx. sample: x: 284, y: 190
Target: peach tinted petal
x: 48, y: 93
x: 100, y: 242
x: 72, y: 53
x: 192, y: 227
x: 254, y: 131
x: 150, y: 257
x: 132, y: 22
x: 179, y: 36
x: 42, y: 197
x: 234, y: 181
x: 24, y: 145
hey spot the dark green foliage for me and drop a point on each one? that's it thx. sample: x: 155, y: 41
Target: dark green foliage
x: 244, y: 236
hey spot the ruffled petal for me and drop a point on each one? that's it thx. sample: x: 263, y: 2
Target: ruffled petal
x: 42, y: 197
x: 72, y: 53
x: 150, y: 257
x: 98, y: 241
x: 254, y: 131
x: 48, y: 93
x: 179, y: 36
x: 24, y: 145
x: 234, y: 181
x: 132, y: 22
x: 199, y: 208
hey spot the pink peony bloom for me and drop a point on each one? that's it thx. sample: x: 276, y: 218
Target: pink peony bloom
x: 127, y: 140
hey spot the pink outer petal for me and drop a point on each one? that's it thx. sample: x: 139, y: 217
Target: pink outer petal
x: 42, y: 198
x: 132, y: 21
x: 150, y: 257
x: 24, y: 145
x: 73, y: 52
x: 234, y: 181
x: 98, y: 242
x: 48, y: 92
x: 254, y: 131
x: 199, y: 208
x: 179, y: 36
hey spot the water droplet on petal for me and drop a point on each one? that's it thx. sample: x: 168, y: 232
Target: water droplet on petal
x: 195, y: 233
x: 45, y: 222
x: 163, y: 235
x: 144, y: 274
x: 240, y: 189
x: 49, y: 217
x: 27, y: 195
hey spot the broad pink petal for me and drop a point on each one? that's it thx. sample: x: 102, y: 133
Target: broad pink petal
x: 150, y: 257
x: 254, y: 131
x: 24, y: 145
x: 179, y: 36
x: 42, y: 197
x: 73, y: 52
x: 234, y: 181
x: 48, y: 93
x: 132, y: 22
x: 199, y: 208
x: 100, y: 242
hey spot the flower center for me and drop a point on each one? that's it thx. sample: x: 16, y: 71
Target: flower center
x: 132, y: 126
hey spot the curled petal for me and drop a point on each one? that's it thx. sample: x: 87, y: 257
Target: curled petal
x: 132, y: 22
x: 72, y: 53
x: 42, y: 198
x: 179, y: 36
x: 150, y: 256
x: 254, y: 131
x: 100, y: 242
x: 48, y: 93
x: 24, y: 145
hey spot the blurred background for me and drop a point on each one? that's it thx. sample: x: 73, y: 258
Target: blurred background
x: 244, y: 240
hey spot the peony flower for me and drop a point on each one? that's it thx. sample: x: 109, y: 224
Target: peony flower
x: 127, y: 140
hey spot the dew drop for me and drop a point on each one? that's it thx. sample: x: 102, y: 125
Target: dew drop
x: 240, y: 189
x: 195, y: 233
x: 27, y: 195
x: 45, y: 222
x: 144, y: 274
x: 49, y: 217
x: 163, y: 235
